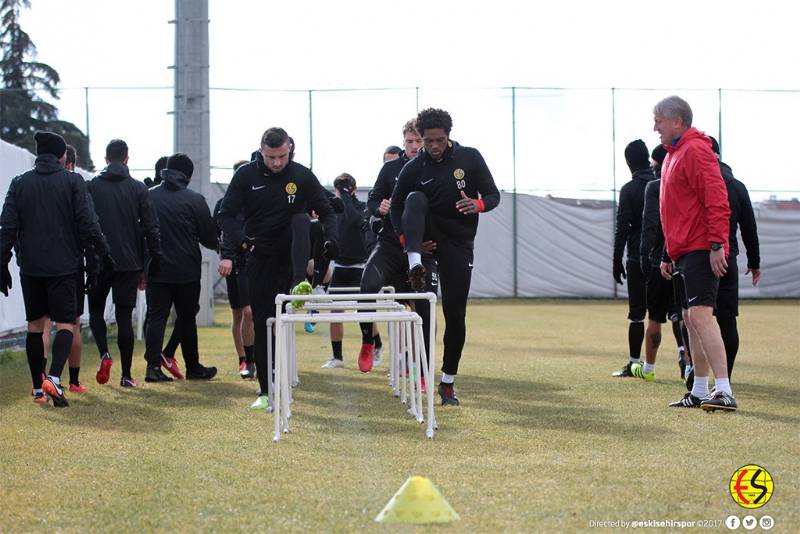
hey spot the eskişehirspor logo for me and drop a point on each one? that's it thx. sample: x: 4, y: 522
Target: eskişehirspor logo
x: 751, y: 486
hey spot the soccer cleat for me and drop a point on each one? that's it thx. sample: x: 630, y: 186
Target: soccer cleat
x: 128, y: 382
x: 77, y: 388
x: 104, y: 371
x: 261, y: 403
x: 416, y: 277
x: 377, y: 356
x: 719, y: 401
x: 637, y: 370
x: 448, y: 395
x: 201, y: 373
x: 39, y: 397
x: 242, y: 368
x: 333, y: 363
x: 303, y: 288
x: 250, y: 371
x: 625, y: 372
x: 155, y: 374
x: 55, y: 392
x: 682, y: 362
x: 171, y: 365
x: 365, y: 358
x: 689, y: 377
x: 688, y: 401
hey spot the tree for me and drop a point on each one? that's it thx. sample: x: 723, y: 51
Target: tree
x: 22, y: 110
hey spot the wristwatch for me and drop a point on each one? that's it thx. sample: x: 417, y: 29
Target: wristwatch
x: 716, y: 246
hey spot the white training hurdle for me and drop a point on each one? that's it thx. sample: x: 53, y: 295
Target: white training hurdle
x: 406, y: 346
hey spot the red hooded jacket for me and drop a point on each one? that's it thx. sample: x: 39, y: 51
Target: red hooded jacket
x: 693, y: 199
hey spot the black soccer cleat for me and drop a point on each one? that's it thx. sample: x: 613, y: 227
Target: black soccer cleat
x: 448, y: 395
x: 688, y: 401
x: 416, y: 278
x: 155, y: 374
x: 201, y: 373
x: 719, y: 401
x: 625, y: 372
x: 55, y: 392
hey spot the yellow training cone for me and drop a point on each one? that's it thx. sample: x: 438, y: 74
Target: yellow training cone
x: 417, y: 502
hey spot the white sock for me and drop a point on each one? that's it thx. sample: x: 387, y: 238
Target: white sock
x: 55, y: 379
x: 414, y: 258
x: 724, y: 384
x: 448, y: 379
x: 649, y: 367
x: 35, y: 391
x: 635, y: 360
x: 700, y: 387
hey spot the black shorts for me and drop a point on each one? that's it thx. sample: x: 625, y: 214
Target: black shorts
x: 344, y: 276
x: 123, y: 287
x: 51, y: 296
x: 728, y: 295
x: 637, y: 292
x: 238, y: 290
x: 700, y: 286
x: 659, y: 296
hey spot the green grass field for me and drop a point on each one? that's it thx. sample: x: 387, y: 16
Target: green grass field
x: 545, y: 440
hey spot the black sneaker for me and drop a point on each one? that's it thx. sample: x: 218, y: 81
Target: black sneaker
x: 201, y: 373
x: 155, y: 374
x: 416, y: 277
x: 625, y: 372
x: 719, y: 401
x: 128, y: 382
x: 448, y: 395
x: 689, y: 377
x: 688, y: 401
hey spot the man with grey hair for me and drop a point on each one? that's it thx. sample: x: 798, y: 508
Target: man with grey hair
x: 694, y: 214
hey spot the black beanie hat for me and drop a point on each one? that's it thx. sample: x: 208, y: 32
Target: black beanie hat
x: 181, y: 162
x: 49, y: 143
x: 659, y: 153
x: 637, y: 156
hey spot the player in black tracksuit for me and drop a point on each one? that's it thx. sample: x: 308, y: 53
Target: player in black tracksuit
x: 440, y: 194
x: 185, y: 222
x: 742, y: 216
x: 127, y: 218
x: 628, y: 232
x: 387, y: 264
x: 46, y: 216
x: 270, y: 191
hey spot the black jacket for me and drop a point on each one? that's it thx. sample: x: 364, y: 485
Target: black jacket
x: 351, y: 228
x: 460, y: 169
x: 629, y: 215
x: 126, y: 216
x: 742, y: 216
x: 268, y: 201
x: 651, y: 246
x: 384, y: 185
x: 185, y: 222
x: 48, y: 216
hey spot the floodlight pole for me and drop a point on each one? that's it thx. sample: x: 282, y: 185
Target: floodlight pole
x: 191, y: 117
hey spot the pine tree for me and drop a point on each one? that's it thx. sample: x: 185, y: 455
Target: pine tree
x: 22, y: 109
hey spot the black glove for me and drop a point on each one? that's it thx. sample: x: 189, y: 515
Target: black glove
x: 619, y: 271
x: 154, y: 265
x: 645, y: 264
x: 5, y: 280
x: 330, y: 250
x: 148, y: 182
x: 375, y: 224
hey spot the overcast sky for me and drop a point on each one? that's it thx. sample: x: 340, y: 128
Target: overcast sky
x: 455, y: 51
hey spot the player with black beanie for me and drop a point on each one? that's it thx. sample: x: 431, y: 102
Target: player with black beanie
x: 440, y: 194
x: 46, y: 215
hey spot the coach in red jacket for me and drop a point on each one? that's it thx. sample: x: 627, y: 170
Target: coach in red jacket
x: 694, y: 215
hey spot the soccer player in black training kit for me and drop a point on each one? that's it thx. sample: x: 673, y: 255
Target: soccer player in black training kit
x: 127, y: 218
x: 440, y: 193
x: 270, y: 191
x: 742, y: 216
x: 184, y: 222
x: 388, y: 264
x: 47, y: 216
x: 628, y: 233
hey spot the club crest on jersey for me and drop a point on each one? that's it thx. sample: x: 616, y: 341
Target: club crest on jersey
x: 291, y: 188
x: 458, y: 174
